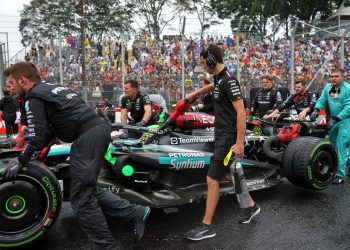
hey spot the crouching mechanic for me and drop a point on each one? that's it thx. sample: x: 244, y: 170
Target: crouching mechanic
x: 57, y: 111
x: 138, y: 104
x: 230, y: 128
x: 303, y: 101
x: 337, y: 96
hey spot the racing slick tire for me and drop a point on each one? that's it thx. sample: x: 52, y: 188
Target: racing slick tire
x: 29, y: 205
x: 310, y: 162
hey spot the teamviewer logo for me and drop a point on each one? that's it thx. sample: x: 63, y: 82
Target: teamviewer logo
x: 174, y: 141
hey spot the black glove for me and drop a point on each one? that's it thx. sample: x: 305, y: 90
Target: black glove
x: 12, y: 168
x: 142, y: 123
x: 195, y: 108
x: 331, y: 123
x: 313, y: 115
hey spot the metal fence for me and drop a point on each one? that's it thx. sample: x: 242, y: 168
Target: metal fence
x: 4, y: 56
x: 311, y: 52
x: 19, y: 56
x: 2, y: 64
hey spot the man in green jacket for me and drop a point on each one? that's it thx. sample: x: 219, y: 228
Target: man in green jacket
x: 337, y: 96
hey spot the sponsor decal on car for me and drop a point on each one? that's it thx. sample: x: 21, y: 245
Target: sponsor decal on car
x: 155, y: 131
x: 255, y: 182
x: 187, y: 154
x: 179, y: 140
x: 141, y: 181
x: 205, y: 119
x: 180, y: 163
x: 110, y: 188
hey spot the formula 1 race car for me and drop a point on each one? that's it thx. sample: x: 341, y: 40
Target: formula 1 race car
x: 168, y: 168
x: 163, y: 169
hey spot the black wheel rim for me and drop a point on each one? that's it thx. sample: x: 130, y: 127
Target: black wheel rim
x: 23, y: 205
x: 323, y: 167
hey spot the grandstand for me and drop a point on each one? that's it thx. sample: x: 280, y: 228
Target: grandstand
x: 157, y: 65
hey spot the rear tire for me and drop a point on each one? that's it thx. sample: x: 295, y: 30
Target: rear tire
x: 310, y: 162
x: 29, y: 205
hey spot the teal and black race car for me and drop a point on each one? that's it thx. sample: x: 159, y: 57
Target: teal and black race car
x: 166, y: 167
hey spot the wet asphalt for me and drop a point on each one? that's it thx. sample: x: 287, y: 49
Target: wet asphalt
x: 291, y: 218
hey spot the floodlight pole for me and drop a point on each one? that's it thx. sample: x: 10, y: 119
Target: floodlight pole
x: 60, y: 52
x: 82, y: 43
x: 293, y: 56
x: 183, y: 56
x: 8, y: 50
x: 123, y: 58
x: 2, y: 66
x: 342, y: 59
x: 6, y: 53
x: 238, y: 74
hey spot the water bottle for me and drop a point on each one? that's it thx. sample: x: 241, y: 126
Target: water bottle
x: 240, y: 184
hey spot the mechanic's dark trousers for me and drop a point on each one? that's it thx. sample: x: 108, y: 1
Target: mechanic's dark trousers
x: 11, y: 128
x: 87, y: 157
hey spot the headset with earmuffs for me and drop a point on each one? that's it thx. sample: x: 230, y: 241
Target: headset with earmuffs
x: 210, y: 59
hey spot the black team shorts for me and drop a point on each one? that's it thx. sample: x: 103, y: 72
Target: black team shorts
x: 222, y: 146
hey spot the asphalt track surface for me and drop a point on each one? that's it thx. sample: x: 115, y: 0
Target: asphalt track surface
x: 291, y: 218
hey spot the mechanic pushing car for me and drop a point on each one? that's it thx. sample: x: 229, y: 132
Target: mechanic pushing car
x: 337, y: 96
x: 266, y: 98
x: 303, y: 101
x: 206, y: 104
x: 57, y: 111
x: 138, y: 104
x: 230, y: 128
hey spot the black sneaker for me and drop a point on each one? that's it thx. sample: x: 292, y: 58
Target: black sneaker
x: 200, y: 232
x: 139, y: 228
x: 249, y: 213
x: 338, y: 180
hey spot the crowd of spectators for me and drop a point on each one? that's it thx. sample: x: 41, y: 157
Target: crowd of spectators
x: 157, y: 65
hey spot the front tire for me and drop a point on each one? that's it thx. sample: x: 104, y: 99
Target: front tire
x: 29, y: 205
x: 310, y: 162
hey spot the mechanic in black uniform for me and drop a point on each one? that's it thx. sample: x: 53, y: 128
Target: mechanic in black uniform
x: 8, y: 108
x: 206, y: 104
x: 106, y: 110
x: 267, y: 98
x: 230, y: 128
x: 138, y: 104
x: 303, y: 101
x: 20, y: 107
x: 58, y: 111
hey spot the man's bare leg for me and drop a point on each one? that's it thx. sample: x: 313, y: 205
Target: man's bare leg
x: 212, y: 200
